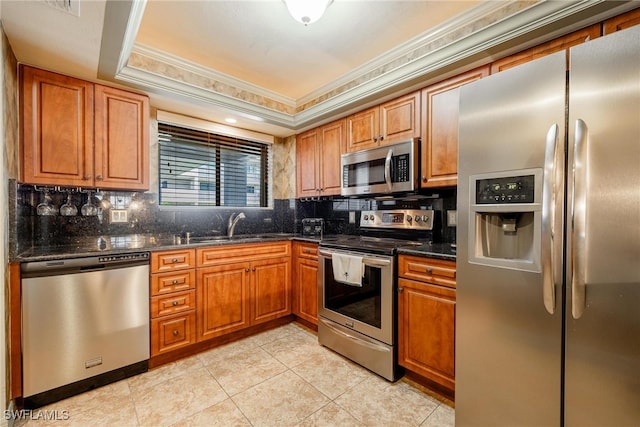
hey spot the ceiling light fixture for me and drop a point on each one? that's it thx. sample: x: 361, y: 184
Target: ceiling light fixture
x: 230, y: 120
x: 307, y: 11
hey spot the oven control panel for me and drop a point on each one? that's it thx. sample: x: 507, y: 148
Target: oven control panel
x: 414, y: 219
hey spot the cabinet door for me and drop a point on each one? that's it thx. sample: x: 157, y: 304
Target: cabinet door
x: 426, y: 330
x: 621, y: 22
x: 57, y: 129
x: 307, y: 168
x: 270, y: 289
x: 306, y: 290
x: 363, y: 129
x: 332, y: 145
x: 222, y: 298
x: 440, y: 129
x: 400, y: 119
x: 556, y: 45
x: 122, y: 139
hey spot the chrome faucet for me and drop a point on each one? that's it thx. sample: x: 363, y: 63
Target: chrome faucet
x: 232, y: 223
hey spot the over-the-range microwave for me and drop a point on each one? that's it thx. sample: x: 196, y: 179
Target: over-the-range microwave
x: 384, y: 170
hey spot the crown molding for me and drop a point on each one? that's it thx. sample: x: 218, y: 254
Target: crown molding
x: 454, y: 44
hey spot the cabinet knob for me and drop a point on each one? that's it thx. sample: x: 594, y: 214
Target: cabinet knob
x: 253, y: 269
x: 175, y: 332
x: 375, y: 139
x: 174, y: 260
x: 400, y: 290
x: 381, y: 137
x: 246, y: 269
x: 86, y: 177
x: 98, y: 177
x: 175, y: 281
x: 429, y: 270
x: 175, y: 303
x: 424, y: 178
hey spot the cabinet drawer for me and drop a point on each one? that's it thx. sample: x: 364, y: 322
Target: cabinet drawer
x: 172, y: 332
x: 174, y: 303
x: 172, y: 260
x: 440, y: 272
x: 242, y: 252
x: 163, y: 283
x: 306, y: 250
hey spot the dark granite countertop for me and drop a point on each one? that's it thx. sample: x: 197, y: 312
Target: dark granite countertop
x: 107, y: 245
x: 432, y: 250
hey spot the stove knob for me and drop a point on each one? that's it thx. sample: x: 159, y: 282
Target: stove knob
x: 417, y: 218
x: 409, y: 218
x: 366, y: 217
x: 425, y: 218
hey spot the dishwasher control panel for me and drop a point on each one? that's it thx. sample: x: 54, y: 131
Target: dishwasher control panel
x: 138, y: 256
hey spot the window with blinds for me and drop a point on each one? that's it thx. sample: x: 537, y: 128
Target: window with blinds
x: 198, y: 168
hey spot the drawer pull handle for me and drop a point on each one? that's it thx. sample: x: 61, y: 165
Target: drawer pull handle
x: 175, y: 303
x: 175, y: 281
x: 174, y: 260
x: 175, y: 332
x: 429, y: 270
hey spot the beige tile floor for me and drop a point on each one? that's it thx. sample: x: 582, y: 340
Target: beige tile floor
x: 281, y: 377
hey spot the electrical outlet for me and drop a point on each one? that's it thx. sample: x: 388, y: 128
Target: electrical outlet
x: 119, y: 215
x: 452, y: 218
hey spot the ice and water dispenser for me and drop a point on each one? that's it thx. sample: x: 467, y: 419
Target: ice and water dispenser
x: 505, y: 219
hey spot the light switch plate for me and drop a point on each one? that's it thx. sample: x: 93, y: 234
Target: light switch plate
x: 119, y: 215
x: 452, y: 218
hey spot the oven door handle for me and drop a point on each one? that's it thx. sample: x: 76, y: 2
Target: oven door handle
x: 371, y: 262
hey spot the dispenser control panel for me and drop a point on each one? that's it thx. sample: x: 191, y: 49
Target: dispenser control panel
x: 505, y: 190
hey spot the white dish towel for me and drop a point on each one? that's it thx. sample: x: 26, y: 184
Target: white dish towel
x: 347, y: 268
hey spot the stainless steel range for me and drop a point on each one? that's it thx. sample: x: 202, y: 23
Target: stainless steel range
x: 357, y: 302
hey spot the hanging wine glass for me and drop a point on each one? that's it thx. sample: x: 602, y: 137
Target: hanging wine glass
x: 89, y: 209
x: 68, y: 209
x: 46, y: 208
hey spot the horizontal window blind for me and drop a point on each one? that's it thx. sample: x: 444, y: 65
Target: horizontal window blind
x: 198, y: 168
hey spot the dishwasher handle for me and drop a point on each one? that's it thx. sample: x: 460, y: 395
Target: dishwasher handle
x: 58, y: 267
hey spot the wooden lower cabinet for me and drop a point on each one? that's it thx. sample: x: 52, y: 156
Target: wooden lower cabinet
x: 305, y: 281
x: 426, y: 327
x: 234, y: 295
x: 222, y: 299
x: 173, y: 300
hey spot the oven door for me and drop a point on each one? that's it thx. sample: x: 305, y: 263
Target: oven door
x: 368, y: 309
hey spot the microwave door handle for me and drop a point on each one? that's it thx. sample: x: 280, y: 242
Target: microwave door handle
x: 387, y: 168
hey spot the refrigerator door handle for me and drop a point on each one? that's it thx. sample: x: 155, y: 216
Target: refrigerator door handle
x: 579, y: 214
x: 549, y: 204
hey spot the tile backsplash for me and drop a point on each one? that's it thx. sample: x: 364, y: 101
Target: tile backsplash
x: 142, y: 215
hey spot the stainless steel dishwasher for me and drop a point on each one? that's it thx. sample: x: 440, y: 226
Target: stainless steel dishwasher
x: 85, y: 323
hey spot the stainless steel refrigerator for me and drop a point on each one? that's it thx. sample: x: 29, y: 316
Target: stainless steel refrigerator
x: 548, y: 287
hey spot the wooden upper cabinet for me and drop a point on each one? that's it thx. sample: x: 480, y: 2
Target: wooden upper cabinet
x: 400, y: 119
x: 307, y: 166
x: 76, y: 133
x: 439, y: 154
x: 121, y: 139
x: 318, y: 160
x: 332, y: 145
x: 621, y: 22
x: 394, y: 121
x: 556, y: 45
x: 57, y: 129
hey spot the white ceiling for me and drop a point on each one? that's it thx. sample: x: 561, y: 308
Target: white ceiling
x: 259, y: 65
x: 259, y: 42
